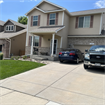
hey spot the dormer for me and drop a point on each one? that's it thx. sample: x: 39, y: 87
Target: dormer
x: 11, y: 26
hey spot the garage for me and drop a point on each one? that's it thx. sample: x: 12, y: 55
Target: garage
x: 82, y: 47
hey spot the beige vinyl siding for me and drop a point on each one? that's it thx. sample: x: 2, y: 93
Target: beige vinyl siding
x: 85, y: 31
x: 65, y: 32
x: 18, y: 43
x: 46, y: 7
x: 46, y: 41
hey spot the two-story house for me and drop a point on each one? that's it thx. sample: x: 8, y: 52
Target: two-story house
x: 58, y: 29
x: 12, y: 38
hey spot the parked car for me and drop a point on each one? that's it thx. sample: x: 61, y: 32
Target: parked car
x: 95, y: 57
x: 71, y: 55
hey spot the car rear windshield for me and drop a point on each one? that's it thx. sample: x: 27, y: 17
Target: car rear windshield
x: 98, y: 48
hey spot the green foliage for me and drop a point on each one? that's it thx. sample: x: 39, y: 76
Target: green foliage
x: 10, y: 68
x: 17, y: 57
x: 12, y: 58
x: 23, y: 20
x: 24, y: 57
x: 1, y: 56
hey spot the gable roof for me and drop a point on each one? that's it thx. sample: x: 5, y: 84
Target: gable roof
x: 16, y: 23
x: 2, y: 23
x: 93, y: 11
x: 36, y: 7
x: 4, y: 35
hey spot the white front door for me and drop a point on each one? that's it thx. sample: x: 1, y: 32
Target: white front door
x: 55, y: 47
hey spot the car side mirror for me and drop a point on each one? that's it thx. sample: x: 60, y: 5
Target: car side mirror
x: 86, y: 50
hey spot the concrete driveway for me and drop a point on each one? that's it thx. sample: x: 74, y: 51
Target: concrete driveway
x: 66, y: 84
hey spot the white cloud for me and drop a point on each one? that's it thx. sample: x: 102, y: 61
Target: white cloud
x: 1, y: 1
x: 21, y: 0
x: 100, y: 4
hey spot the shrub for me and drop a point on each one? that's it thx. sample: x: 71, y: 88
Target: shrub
x: 12, y: 58
x: 1, y: 56
x: 17, y: 57
x: 24, y: 57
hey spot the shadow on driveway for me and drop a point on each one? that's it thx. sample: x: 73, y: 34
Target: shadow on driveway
x: 96, y: 70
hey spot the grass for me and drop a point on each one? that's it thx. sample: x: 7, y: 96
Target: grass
x: 10, y: 68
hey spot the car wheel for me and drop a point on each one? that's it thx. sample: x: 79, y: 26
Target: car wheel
x: 85, y: 67
x: 77, y: 61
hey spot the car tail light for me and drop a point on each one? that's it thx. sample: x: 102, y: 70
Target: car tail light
x: 60, y: 53
x: 72, y: 54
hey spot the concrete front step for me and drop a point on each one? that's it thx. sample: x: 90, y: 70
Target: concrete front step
x: 42, y: 57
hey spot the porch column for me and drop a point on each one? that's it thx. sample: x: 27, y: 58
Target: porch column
x: 53, y: 37
x: 61, y: 43
x: 32, y: 45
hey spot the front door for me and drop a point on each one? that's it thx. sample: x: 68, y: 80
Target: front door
x: 55, y: 47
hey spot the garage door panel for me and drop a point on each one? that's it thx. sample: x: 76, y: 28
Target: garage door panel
x: 82, y: 48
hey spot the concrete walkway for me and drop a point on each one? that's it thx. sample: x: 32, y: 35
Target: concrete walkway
x: 55, y: 84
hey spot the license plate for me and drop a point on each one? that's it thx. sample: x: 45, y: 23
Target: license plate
x: 65, y: 54
x: 97, y: 64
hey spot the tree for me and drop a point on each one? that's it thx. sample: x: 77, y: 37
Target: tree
x: 23, y: 20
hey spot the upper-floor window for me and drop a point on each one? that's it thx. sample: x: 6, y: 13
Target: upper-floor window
x: 35, y: 20
x: 52, y: 19
x: 36, y: 41
x: 84, y: 22
x: 9, y: 28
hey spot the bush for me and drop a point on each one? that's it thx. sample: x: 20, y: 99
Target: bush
x: 12, y: 58
x: 16, y: 58
x: 1, y: 56
x: 24, y: 57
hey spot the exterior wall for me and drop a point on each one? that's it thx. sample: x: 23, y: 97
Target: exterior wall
x: 85, y: 31
x: 46, y: 7
x: 19, y: 28
x: 65, y: 32
x: 1, y: 28
x: 17, y: 44
x: 5, y: 48
x: 86, y: 41
x: 103, y: 22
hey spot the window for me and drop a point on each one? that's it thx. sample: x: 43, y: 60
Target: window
x: 35, y: 20
x: 84, y: 22
x: 52, y: 19
x: 36, y: 41
x: 9, y: 28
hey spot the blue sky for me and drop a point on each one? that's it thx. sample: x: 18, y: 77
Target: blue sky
x: 12, y: 9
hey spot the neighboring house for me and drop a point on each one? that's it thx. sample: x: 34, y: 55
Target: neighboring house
x: 1, y: 26
x: 12, y: 38
x: 58, y: 29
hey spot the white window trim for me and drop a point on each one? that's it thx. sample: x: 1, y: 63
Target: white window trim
x: 83, y: 22
x: 35, y: 21
x: 33, y: 41
x: 52, y: 19
x: 10, y: 28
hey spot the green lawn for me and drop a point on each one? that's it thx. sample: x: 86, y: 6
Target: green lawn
x: 9, y: 68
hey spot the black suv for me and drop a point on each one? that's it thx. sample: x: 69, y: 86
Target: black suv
x: 95, y: 57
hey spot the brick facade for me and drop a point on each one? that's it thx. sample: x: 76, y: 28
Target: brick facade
x: 28, y: 50
x: 86, y: 41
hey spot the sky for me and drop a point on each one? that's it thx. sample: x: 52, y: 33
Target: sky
x: 12, y: 9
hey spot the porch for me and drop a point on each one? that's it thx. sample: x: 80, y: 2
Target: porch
x: 50, y: 43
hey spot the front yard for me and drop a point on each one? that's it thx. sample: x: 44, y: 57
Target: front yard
x: 10, y: 68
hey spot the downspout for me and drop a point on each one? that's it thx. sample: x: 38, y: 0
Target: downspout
x: 100, y: 24
x: 9, y: 40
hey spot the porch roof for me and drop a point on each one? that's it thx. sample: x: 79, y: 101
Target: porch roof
x: 4, y: 35
x: 47, y: 29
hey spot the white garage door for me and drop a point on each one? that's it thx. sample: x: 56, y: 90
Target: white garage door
x: 82, y: 48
